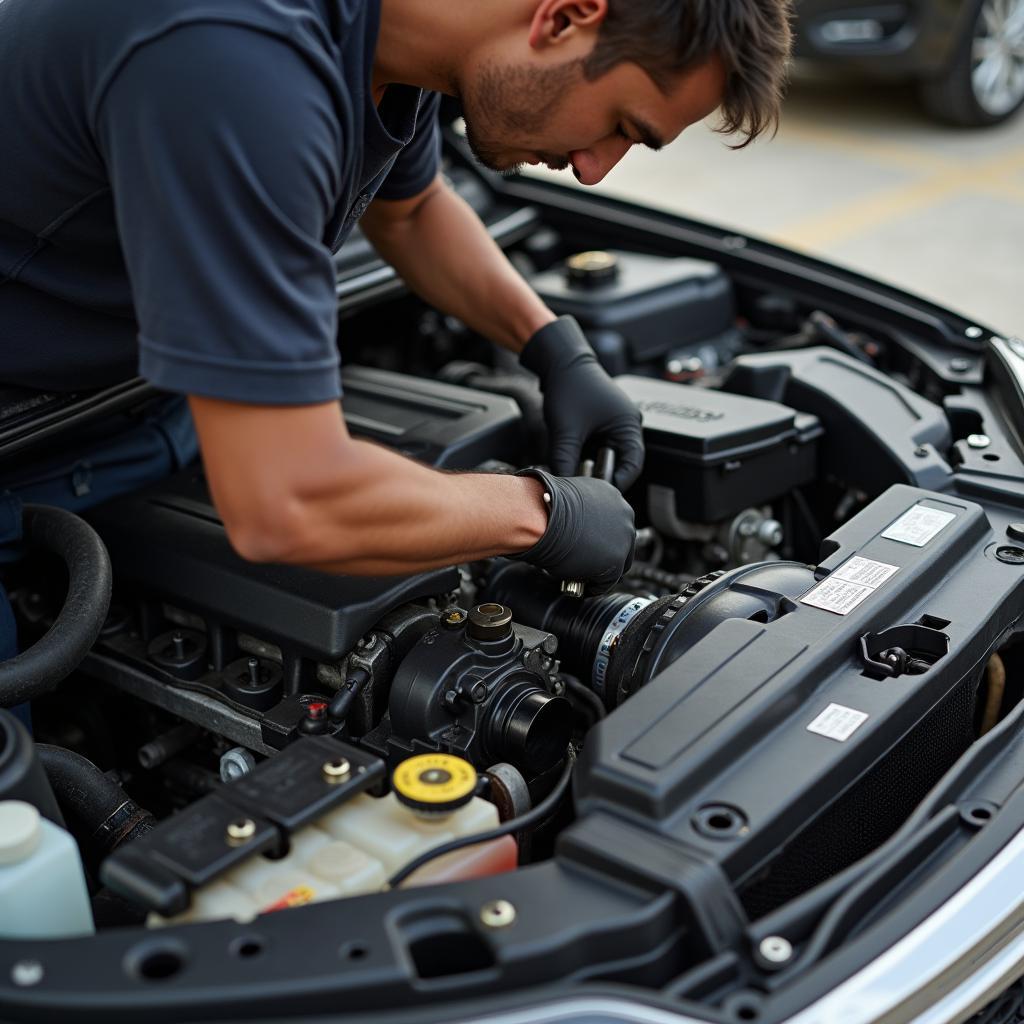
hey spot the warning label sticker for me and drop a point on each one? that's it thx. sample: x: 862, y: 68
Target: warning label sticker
x: 918, y: 525
x: 838, y: 722
x: 856, y: 579
x: 864, y: 571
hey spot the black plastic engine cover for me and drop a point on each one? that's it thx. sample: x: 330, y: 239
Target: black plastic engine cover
x: 445, y: 425
x: 761, y: 726
x: 169, y: 544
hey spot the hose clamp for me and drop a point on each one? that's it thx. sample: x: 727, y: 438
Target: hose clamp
x: 612, y: 632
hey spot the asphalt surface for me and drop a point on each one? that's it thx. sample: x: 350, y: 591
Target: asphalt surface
x: 860, y: 175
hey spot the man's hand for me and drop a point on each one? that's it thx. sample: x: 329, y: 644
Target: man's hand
x: 590, y: 534
x: 581, y: 402
x: 438, y: 245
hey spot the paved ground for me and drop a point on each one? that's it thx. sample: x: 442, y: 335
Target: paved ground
x: 858, y: 174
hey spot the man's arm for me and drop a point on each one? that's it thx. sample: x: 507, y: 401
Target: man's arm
x: 292, y: 486
x: 438, y: 245
x: 444, y: 253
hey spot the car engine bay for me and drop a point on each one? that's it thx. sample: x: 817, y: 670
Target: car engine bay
x: 796, y: 709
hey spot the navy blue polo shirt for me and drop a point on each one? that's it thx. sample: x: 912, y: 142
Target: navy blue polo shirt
x: 174, y: 176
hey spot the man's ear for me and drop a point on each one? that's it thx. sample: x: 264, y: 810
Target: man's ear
x: 558, y: 21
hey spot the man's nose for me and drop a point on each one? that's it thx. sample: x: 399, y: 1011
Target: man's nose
x: 593, y: 163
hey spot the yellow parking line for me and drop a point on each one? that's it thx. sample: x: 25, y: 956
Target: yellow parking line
x: 867, y: 147
x: 861, y: 215
x: 1006, y: 190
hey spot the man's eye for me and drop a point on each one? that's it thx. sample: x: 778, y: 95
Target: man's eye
x: 621, y: 132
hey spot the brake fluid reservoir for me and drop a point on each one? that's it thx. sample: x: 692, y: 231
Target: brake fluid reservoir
x: 42, y: 884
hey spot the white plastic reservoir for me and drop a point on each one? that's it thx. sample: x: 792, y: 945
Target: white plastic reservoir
x: 42, y: 885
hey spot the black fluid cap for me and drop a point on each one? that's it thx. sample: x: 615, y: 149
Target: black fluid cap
x: 592, y: 269
x: 489, y: 622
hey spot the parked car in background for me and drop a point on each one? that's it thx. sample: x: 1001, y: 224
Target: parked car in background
x: 967, y: 56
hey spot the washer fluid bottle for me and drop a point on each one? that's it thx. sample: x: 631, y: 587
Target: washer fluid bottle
x: 42, y: 885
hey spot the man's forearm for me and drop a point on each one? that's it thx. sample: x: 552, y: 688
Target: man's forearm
x: 444, y: 253
x: 388, y: 515
x: 292, y: 486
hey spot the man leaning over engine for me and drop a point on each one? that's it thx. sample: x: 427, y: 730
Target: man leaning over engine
x: 176, y: 174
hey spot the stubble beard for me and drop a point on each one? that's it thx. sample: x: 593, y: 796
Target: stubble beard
x: 511, y: 102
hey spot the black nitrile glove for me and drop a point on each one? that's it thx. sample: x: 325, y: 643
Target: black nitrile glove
x: 582, y: 403
x: 590, y: 535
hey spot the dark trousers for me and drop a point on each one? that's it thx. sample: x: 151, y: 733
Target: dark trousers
x: 124, y: 453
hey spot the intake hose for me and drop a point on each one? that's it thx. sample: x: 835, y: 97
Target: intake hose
x: 39, y: 669
x: 100, y: 813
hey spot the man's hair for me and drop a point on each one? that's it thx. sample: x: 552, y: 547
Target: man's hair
x: 668, y: 37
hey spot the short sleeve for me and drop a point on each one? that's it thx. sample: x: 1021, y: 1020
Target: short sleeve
x: 222, y: 148
x: 416, y: 166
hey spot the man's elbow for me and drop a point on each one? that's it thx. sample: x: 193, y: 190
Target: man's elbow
x: 278, y: 534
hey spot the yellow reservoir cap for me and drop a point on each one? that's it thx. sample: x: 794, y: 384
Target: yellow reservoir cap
x: 434, y: 783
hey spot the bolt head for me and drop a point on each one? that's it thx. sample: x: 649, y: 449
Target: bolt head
x: 775, y: 950
x: 337, y: 770
x: 240, y: 831
x: 770, y: 533
x: 497, y: 914
x: 960, y: 365
x: 973, y: 332
x: 478, y: 693
x: 235, y: 763
x: 978, y: 440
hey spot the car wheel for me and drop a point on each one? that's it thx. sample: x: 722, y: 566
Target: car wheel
x: 985, y: 83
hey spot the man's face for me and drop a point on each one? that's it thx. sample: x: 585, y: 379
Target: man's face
x: 551, y: 114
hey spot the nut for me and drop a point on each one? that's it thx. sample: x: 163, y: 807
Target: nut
x: 497, y: 914
x: 235, y: 763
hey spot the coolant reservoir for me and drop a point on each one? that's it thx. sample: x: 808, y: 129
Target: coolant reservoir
x: 356, y: 848
x: 42, y: 885
x: 432, y: 802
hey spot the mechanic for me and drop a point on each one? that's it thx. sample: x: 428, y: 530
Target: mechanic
x: 176, y: 174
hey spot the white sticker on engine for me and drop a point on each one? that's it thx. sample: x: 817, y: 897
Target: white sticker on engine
x: 864, y: 571
x: 918, y: 525
x: 856, y: 579
x: 837, y: 596
x: 837, y: 722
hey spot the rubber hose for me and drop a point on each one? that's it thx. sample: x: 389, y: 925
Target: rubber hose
x: 105, y: 812
x: 39, y: 669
